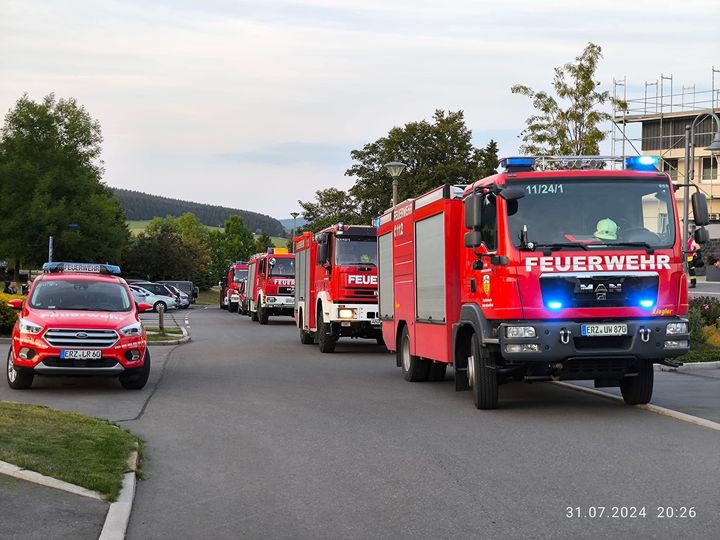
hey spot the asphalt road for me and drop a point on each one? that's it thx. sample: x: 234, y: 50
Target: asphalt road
x: 252, y: 435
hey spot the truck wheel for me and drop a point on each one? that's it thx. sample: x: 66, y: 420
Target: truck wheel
x: 414, y: 368
x: 638, y: 390
x: 18, y: 378
x: 263, y: 315
x: 437, y: 371
x: 254, y: 315
x: 306, y: 338
x: 481, y: 376
x: 136, y: 378
x: 232, y: 307
x: 326, y: 340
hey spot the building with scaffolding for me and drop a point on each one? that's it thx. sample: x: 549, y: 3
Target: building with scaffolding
x: 655, y: 123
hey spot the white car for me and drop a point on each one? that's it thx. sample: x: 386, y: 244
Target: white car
x: 155, y: 300
x: 183, y: 300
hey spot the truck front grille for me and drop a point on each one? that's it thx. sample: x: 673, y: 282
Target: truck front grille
x: 79, y: 338
x: 595, y: 367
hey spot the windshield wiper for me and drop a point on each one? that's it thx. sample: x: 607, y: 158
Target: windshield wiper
x: 648, y: 248
x: 554, y: 246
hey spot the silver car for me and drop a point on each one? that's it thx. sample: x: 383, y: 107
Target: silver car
x: 155, y: 300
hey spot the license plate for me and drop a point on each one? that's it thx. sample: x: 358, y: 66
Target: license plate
x: 80, y: 354
x: 375, y: 322
x: 604, y: 329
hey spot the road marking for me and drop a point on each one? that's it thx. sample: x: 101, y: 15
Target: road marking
x: 677, y: 415
x: 47, y: 481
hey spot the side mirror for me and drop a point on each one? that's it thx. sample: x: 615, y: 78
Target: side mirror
x: 16, y: 303
x: 473, y: 210
x: 473, y: 239
x: 700, y: 209
x: 142, y: 307
x: 512, y: 193
x: 701, y: 235
x: 323, y: 253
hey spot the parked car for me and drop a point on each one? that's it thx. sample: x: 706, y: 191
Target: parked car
x: 145, y: 296
x: 185, y: 286
x: 183, y: 299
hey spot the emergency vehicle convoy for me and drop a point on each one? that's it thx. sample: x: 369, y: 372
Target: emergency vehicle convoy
x: 271, y: 284
x: 539, y: 273
x: 336, y: 293
x: 230, y: 284
x: 79, y: 319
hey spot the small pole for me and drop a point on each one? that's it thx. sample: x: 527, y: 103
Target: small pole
x: 50, y: 249
x: 161, y: 318
x: 689, y: 169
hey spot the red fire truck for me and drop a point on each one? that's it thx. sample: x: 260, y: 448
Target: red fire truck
x: 271, y: 284
x: 336, y: 293
x: 539, y: 273
x: 230, y: 284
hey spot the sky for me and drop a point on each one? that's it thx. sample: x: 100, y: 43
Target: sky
x: 256, y: 104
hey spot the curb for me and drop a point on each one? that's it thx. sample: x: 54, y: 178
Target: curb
x: 36, y: 478
x: 5, y: 340
x: 118, y: 516
x: 662, y: 411
x: 690, y: 366
x: 186, y: 337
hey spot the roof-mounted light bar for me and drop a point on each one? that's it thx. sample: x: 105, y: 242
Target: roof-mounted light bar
x: 555, y: 163
x: 80, y: 268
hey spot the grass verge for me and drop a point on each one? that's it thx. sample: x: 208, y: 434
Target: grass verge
x: 88, y: 452
x: 701, y: 352
x: 168, y: 330
x: 209, y: 297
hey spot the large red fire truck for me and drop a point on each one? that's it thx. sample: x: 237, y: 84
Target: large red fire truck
x: 271, y: 284
x: 230, y: 284
x: 336, y: 293
x: 536, y: 274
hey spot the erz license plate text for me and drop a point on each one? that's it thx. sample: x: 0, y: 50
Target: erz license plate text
x: 81, y: 354
x: 604, y: 329
x: 375, y: 322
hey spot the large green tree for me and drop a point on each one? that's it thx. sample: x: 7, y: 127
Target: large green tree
x: 50, y: 184
x: 436, y: 152
x: 568, y: 123
x: 331, y: 205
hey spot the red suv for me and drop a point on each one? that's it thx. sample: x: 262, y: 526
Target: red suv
x: 79, y: 319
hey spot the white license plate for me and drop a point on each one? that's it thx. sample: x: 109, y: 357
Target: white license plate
x: 375, y: 322
x: 604, y: 329
x: 80, y: 354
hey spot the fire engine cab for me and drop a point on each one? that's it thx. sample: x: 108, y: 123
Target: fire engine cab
x: 230, y: 285
x: 542, y: 272
x: 79, y: 319
x: 271, y: 284
x: 336, y: 293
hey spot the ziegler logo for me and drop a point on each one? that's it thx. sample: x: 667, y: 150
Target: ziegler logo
x: 362, y: 280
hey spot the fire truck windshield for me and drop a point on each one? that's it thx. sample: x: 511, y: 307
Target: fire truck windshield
x: 283, y: 267
x: 80, y: 295
x: 355, y: 251
x: 597, y: 211
x: 240, y: 275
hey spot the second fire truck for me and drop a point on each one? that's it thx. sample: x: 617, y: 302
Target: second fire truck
x: 538, y: 274
x: 336, y: 292
x: 237, y: 273
x: 271, y: 284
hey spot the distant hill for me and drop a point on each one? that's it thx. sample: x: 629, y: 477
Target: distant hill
x: 143, y: 206
x: 288, y: 223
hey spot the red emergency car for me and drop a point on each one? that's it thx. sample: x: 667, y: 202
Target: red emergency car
x: 539, y: 273
x: 271, y: 284
x: 237, y: 273
x: 79, y: 319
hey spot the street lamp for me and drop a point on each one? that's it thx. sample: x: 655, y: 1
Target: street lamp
x: 690, y: 162
x: 395, y: 168
x: 292, y: 233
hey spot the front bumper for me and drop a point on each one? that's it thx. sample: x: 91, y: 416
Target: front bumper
x: 558, y: 341
x: 279, y: 303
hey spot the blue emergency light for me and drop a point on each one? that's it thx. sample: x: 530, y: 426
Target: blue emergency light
x: 519, y: 163
x: 642, y: 163
x: 80, y: 268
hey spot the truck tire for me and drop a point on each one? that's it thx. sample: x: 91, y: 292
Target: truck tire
x: 232, y: 307
x: 638, y: 390
x: 306, y: 337
x: 437, y: 371
x: 414, y: 368
x: 136, y: 378
x: 326, y: 340
x: 254, y: 314
x: 263, y: 315
x: 18, y: 378
x: 482, y: 376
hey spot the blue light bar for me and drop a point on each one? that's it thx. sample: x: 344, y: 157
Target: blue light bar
x: 642, y: 163
x: 647, y: 303
x: 554, y: 305
x: 80, y: 268
x: 526, y: 163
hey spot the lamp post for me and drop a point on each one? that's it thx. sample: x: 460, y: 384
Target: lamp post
x: 690, y: 164
x: 292, y: 233
x: 395, y: 168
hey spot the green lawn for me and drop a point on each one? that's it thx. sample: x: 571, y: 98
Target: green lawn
x: 701, y: 352
x: 209, y: 297
x: 88, y: 452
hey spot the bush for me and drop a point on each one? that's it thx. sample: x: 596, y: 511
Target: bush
x: 708, y: 308
x: 711, y: 335
x: 8, y: 316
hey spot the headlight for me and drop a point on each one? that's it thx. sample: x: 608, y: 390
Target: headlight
x: 522, y: 347
x: 26, y: 327
x: 346, y: 313
x: 680, y: 344
x: 519, y: 331
x: 133, y: 330
x: 676, y: 328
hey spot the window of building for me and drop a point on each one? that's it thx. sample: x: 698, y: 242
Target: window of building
x: 708, y: 169
x: 670, y: 166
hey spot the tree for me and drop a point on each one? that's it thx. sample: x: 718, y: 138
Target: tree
x: 437, y: 152
x: 569, y: 123
x: 263, y: 242
x: 331, y: 206
x: 50, y: 172
x: 240, y: 240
